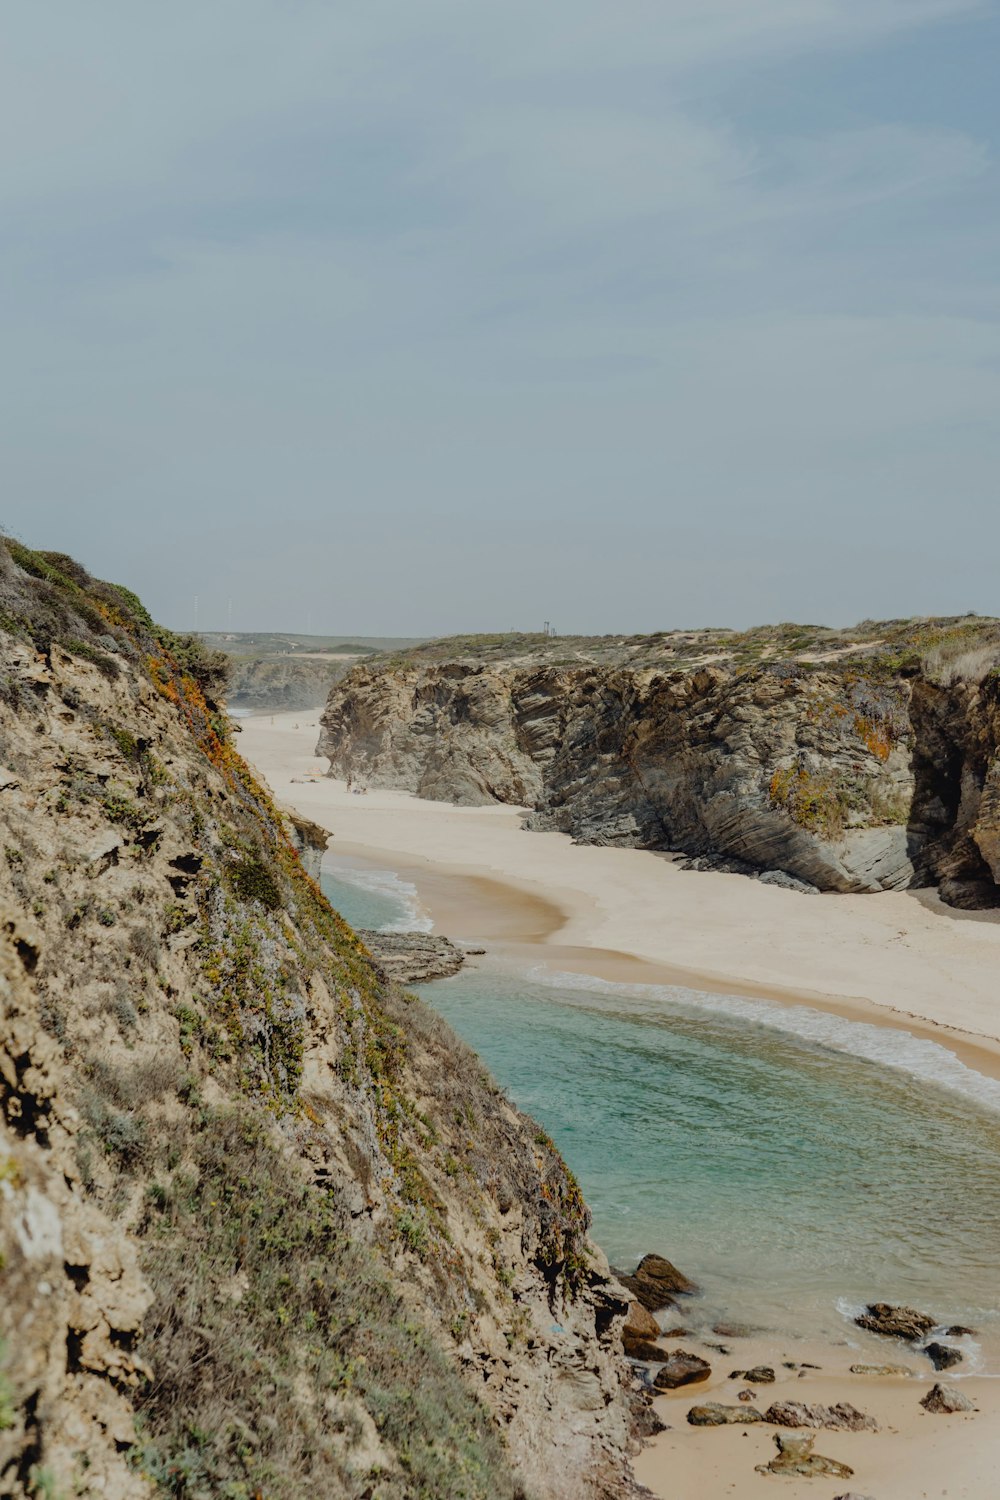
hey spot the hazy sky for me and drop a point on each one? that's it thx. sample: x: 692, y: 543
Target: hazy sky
x: 412, y: 316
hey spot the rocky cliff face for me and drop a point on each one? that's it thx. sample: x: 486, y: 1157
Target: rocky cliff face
x: 266, y: 1226
x: 285, y: 683
x: 873, y: 767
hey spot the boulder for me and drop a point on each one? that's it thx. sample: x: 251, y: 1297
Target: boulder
x: 746, y: 1395
x: 839, y: 1418
x: 640, y: 1323
x: 759, y: 1375
x: 896, y: 1322
x: 645, y: 1350
x: 682, y: 1368
x: 942, y: 1356
x: 795, y: 1456
x: 656, y: 1283
x: 714, y: 1414
x: 945, y: 1399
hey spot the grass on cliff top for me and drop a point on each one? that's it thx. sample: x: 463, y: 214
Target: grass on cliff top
x: 890, y: 644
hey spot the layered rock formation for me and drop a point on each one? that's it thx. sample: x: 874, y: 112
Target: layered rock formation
x: 868, y: 768
x: 266, y: 1226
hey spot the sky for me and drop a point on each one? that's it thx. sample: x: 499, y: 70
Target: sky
x: 407, y: 317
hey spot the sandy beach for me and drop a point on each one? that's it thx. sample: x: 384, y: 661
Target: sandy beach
x: 900, y: 957
x: 900, y: 960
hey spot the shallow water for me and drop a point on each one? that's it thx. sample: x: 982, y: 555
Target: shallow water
x: 797, y: 1164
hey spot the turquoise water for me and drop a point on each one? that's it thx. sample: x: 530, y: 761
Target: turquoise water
x: 371, y: 898
x: 796, y: 1164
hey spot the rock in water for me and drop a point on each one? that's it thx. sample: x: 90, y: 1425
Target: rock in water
x: 759, y: 1375
x: 666, y: 1275
x: 896, y: 1322
x: 839, y: 1418
x: 412, y: 957
x: 656, y: 1283
x: 945, y: 1399
x: 795, y: 1456
x: 942, y: 1356
x: 682, y: 1368
x: 713, y: 1414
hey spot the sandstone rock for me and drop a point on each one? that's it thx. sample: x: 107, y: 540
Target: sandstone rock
x: 945, y: 1399
x: 795, y: 1456
x: 895, y: 1322
x: 942, y: 1356
x: 640, y: 1323
x: 881, y: 1370
x: 713, y: 1414
x: 656, y: 1283
x: 760, y: 1375
x: 682, y: 1368
x: 842, y: 1417
x: 665, y: 1275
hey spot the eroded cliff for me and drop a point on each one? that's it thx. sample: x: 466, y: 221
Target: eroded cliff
x: 266, y: 1226
x: 862, y: 761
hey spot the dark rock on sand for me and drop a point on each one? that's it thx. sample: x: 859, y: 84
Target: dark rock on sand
x: 746, y: 1395
x: 839, y: 1418
x: 942, y: 1356
x: 795, y: 1456
x: 713, y: 1414
x: 945, y: 1398
x: 647, y: 1422
x: 645, y: 1350
x: 896, y: 1322
x: 682, y: 1368
x: 759, y: 1375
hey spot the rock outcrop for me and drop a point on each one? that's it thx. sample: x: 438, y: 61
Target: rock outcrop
x: 267, y: 1226
x: 873, y: 770
x: 412, y: 957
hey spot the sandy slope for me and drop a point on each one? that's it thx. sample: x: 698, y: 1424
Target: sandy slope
x: 611, y: 912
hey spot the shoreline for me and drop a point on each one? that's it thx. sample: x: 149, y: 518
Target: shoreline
x: 529, y: 896
x: 896, y: 960
x: 520, y: 926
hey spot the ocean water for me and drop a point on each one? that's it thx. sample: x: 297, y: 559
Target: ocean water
x: 796, y: 1164
x: 372, y: 898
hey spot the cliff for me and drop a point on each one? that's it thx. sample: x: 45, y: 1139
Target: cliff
x: 266, y: 1226
x: 839, y: 761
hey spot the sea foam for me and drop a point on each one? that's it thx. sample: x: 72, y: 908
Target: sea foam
x: 886, y: 1046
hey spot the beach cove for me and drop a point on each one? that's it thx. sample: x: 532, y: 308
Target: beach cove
x: 617, y: 916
